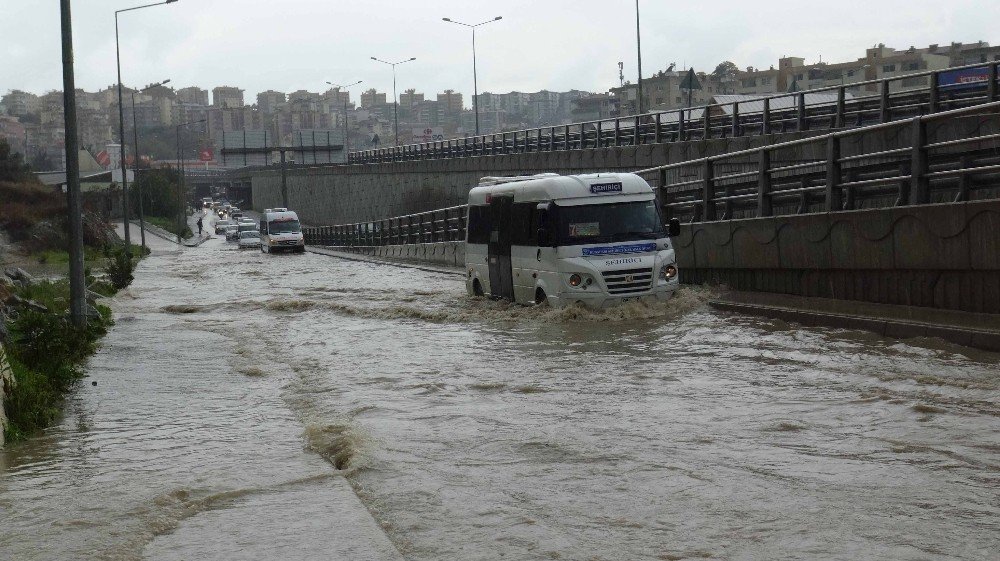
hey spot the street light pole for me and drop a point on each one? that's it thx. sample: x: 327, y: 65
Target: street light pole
x: 135, y: 147
x: 347, y: 142
x: 77, y: 276
x: 121, y: 121
x: 395, y: 101
x: 475, y: 76
x: 638, y: 50
x: 180, y: 182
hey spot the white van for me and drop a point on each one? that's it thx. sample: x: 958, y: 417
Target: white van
x: 280, y: 230
x: 594, y: 239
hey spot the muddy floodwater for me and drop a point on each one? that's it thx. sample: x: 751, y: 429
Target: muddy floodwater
x: 241, y: 394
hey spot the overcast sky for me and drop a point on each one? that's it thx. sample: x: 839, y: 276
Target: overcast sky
x: 288, y: 45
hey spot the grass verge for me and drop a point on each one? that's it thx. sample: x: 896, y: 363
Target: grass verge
x: 170, y: 225
x: 46, y: 351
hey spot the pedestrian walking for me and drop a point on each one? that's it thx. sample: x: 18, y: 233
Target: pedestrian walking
x: 199, y: 226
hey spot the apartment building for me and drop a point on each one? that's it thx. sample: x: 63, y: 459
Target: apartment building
x: 192, y: 96
x: 227, y: 97
x: 270, y: 101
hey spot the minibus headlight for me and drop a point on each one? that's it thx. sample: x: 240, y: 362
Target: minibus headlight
x: 668, y: 273
x: 575, y: 280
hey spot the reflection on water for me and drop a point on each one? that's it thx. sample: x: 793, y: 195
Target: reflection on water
x: 237, y: 385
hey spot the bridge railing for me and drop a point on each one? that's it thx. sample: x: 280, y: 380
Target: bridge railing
x: 831, y: 107
x: 845, y: 170
x: 837, y: 171
x: 441, y: 225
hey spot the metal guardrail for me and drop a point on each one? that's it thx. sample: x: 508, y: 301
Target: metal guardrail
x: 763, y: 182
x: 720, y: 120
x: 442, y: 225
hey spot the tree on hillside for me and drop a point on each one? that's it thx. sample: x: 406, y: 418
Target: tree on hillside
x: 12, y: 165
x: 159, y: 192
x: 725, y: 69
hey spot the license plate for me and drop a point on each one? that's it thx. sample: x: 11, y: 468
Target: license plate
x: 630, y: 299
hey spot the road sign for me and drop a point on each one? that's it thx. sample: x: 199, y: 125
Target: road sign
x: 428, y: 134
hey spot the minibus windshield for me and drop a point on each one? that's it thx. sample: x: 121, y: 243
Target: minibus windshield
x: 284, y: 227
x: 605, y: 223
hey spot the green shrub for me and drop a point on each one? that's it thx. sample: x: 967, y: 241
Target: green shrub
x: 33, y: 404
x: 119, y: 269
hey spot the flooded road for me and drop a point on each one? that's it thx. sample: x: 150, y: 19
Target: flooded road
x: 247, y: 403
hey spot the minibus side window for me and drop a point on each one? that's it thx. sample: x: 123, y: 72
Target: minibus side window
x: 479, y: 224
x: 521, y: 220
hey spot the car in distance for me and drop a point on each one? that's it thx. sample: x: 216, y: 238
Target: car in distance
x: 220, y: 226
x: 249, y: 239
x: 232, y: 232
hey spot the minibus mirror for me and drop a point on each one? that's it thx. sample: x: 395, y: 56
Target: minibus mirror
x: 674, y: 228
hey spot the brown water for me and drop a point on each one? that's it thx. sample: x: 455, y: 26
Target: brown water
x: 238, y: 390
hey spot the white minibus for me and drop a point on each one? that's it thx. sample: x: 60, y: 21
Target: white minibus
x: 280, y: 230
x: 597, y: 240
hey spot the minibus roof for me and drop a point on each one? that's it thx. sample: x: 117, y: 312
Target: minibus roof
x: 593, y: 188
x: 280, y: 216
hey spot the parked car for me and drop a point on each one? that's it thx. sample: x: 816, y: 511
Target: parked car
x: 249, y: 238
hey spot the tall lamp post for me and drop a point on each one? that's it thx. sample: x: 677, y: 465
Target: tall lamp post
x: 475, y: 78
x: 135, y: 148
x: 77, y: 275
x: 347, y: 143
x: 638, y: 51
x: 121, y: 120
x: 395, y: 102
x: 180, y: 183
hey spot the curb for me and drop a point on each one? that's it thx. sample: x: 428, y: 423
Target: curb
x: 984, y: 339
x: 172, y: 238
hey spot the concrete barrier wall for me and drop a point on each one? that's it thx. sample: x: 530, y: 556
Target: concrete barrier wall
x: 940, y: 256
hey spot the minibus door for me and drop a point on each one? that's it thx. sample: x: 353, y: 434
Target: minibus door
x: 501, y: 277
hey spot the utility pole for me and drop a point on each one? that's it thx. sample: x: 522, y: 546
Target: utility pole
x: 638, y: 50
x: 347, y: 143
x: 284, y: 180
x: 77, y: 281
x: 475, y: 75
x: 395, y: 100
x: 135, y: 146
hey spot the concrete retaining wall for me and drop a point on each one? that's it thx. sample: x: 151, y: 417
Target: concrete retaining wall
x: 939, y: 256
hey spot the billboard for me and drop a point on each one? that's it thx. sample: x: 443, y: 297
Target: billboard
x: 427, y: 134
x: 964, y: 78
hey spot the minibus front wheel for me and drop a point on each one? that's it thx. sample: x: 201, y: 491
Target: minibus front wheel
x: 477, y: 289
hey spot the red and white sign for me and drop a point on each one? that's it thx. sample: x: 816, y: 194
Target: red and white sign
x: 428, y: 134
x: 103, y: 158
x: 206, y: 155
